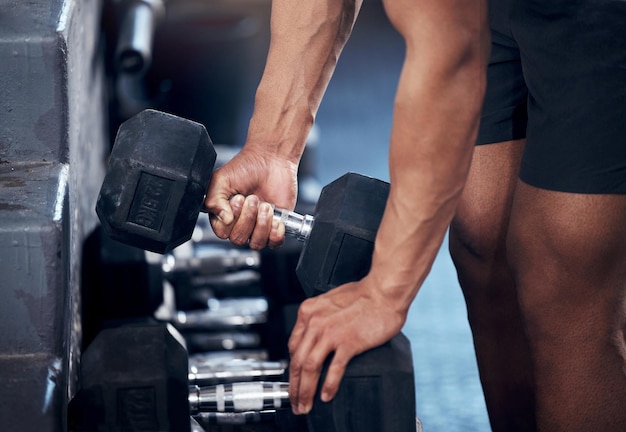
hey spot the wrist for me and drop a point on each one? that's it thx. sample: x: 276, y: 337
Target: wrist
x: 393, y: 295
x: 265, y: 157
x: 279, y: 127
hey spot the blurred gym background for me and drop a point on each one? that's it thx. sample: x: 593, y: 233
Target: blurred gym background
x: 66, y: 84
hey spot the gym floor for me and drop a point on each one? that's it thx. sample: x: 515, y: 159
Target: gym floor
x: 354, y: 124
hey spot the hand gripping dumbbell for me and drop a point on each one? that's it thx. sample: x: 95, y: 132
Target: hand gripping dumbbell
x: 152, y: 195
x: 157, y: 177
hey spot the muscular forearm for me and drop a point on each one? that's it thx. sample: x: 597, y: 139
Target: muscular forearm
x: 435, y: 123
x: 306, y: 40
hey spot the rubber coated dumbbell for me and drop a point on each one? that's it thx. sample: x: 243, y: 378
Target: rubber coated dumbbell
x: 122, y: 282
x: 157, y: 177
x: 158, y: 173
x: 135, y: 378
x: 155, y: 182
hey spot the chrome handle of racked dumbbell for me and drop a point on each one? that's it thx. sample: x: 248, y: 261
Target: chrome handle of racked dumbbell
x: 296, y: 225
x: 239, y: 397
x: 235, y: 371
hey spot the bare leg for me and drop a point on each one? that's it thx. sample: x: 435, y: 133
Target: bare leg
x: 477, y: 244
x: 568, y: 253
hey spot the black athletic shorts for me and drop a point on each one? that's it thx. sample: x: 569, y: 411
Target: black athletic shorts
x: 557, y: 76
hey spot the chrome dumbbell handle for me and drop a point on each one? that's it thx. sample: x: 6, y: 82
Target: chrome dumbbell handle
x: 235, y: 371
x: 296, y: 225
x: 239, y: 397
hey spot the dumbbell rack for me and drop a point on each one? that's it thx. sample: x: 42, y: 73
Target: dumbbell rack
x: 232, y: 305
x: 244, y: 325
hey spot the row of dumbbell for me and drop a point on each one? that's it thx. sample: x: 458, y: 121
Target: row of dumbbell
x: 227, y: 387
x: 135, y: 207
x: 220, y: 373
x: 224, y: 326
x: 138, y: 377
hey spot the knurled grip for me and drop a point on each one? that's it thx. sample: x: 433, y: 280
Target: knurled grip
x: 296, y: 225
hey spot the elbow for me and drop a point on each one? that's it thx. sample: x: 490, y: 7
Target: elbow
x: 471, y: 48
x: 462, y: 51
x: 458, y: 62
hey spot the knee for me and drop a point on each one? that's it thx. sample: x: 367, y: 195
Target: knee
x: 479, y: 256
x: 472, y: 241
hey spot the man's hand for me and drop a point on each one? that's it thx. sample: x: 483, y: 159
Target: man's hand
x: 346, y: 321
x: 306, y: 40
x: 240, y: 194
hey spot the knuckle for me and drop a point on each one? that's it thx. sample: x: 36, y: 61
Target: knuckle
x: 306, y: 309
x: 311, y: 365
x: 295, y: 367
x: 292, y: 346
x: 256, y: 244
x: 237, y: 240
x: 319, y: 325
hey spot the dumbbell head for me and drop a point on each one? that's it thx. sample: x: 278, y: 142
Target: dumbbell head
x: 158, y: 174
x: 133, y: 378
x: 118, y: 283
x: 377, y: 393
x: 340, y: 246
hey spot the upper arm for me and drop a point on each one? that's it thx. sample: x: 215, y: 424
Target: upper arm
x: 443, y: 31
x: 440, y: 91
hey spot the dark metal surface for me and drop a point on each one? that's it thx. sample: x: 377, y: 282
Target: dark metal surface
x: 51, y: 148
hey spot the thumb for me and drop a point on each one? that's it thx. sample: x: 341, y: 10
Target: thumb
x: 220, y: 207
x: 224, y: 212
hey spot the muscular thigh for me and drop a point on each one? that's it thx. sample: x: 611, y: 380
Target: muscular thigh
x: 568, y: 256
x: 562, y: 235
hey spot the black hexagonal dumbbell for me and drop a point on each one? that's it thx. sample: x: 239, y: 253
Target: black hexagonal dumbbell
x: 137, y: 378
x: 338, y: 245
x: 157, y: 177
x: 156, y: 180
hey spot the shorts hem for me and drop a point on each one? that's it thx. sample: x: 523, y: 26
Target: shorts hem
x: 573, y: 182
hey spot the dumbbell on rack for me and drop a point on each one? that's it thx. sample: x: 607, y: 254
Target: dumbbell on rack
x: 139, y: 378
x: 136, y: 378
x: 151, y: 198
x: 211, y: 372
x: 205, y: 287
